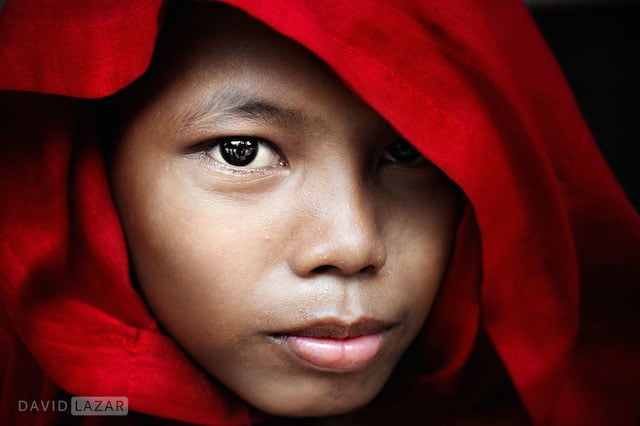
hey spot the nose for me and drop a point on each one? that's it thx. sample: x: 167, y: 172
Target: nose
x: 339, y: 232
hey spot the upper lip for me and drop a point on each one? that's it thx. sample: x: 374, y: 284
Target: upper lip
x: 338, y: 329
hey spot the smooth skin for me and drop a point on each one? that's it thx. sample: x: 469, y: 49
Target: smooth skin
x: 326, y: 215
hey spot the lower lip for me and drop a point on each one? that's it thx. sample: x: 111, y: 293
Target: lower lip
x: 340, y: 355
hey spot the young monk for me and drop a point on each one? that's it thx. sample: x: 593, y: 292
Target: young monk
x: 400, y: 221
x: 284, y: 234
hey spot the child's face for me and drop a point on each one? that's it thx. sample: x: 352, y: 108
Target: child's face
x: 279, y: 230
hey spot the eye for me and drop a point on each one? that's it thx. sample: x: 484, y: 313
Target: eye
x: 246, y: 152
x: 401, y: 151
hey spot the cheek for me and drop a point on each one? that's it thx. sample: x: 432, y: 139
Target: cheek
x: 211, y: 268
x: 187, y: 256
x: 419, y: 237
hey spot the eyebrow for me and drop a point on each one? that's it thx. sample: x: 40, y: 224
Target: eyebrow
x: 231, y: 106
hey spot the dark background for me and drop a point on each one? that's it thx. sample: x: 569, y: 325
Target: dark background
x: 596, y: 45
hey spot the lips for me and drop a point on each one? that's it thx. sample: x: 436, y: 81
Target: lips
x: 336, y: 346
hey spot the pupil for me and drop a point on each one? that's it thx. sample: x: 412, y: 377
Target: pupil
x: 403, y: 151
x: 239, y: 152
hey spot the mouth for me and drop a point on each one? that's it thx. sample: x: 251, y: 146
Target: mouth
x: 336, y: 346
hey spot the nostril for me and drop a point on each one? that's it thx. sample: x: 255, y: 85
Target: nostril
x: 321, y: 269
x: 370, y: 269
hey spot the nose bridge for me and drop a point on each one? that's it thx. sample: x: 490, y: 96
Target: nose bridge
x: 342, y: 232
x: 351, y: 212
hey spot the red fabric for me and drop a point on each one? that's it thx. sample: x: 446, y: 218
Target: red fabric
x: 543, y: 286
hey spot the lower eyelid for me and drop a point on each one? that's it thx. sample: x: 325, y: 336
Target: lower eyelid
x: 232, y: 170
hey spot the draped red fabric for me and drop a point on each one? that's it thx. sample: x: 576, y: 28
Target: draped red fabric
x: 543, y: 288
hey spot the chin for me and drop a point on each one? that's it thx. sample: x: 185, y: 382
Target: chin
x: 312, y: 409
x: 323, y: 404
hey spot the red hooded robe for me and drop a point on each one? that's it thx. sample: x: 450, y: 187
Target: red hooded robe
x: 537, y: 319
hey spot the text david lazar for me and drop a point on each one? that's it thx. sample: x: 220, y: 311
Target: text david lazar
x: 80, y: 406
